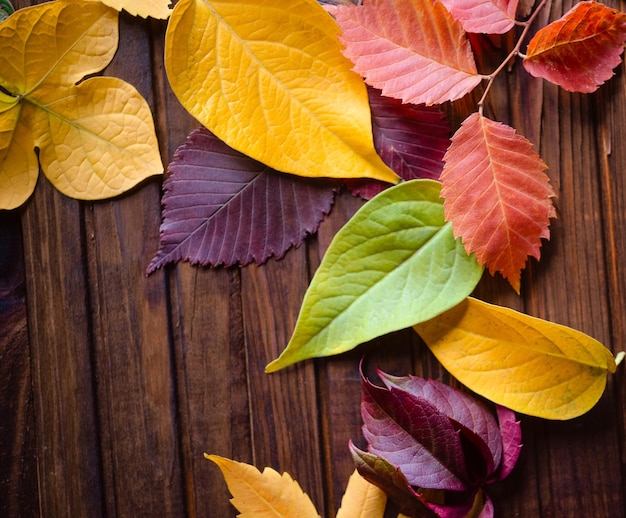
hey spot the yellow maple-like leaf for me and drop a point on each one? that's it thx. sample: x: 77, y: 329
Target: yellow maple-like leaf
x: 525, y: 363
x: 269, y: 79
x: 362, y: 499
x: 95, y: 139
x: 159, y: 9
x: 267, y: 494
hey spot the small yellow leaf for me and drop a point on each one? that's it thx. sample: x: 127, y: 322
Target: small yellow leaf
x: 269, y: 79
x: 362, y: 499
x: 153, y: 8
x: 267, y: 494
x: 528, y: 364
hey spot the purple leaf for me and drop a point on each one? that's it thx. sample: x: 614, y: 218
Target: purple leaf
x: 411, y: 139
x: 511, y: 432
x: 223, y: 208
x: 478, y: 422
x: 414, y: 436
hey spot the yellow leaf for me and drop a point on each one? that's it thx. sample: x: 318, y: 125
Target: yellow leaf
x: 528, y: 364
x: 154, y: 8
x: 267, y: 494
x: 269, y: 79
x: 362, y: 499
x: 97, y: 138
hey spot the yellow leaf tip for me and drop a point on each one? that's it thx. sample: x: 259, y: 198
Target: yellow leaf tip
x: 619, y: 357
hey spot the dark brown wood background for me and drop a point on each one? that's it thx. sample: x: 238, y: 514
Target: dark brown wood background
x: 114, y: 384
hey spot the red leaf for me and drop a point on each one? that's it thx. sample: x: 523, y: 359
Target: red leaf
x: 483, y: 16
x: 410, y: 49
x: 223, y: 208
x: 411, y: 139
x: 580, y: 50
x: 497, y: 195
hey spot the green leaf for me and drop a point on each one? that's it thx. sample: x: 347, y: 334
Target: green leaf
x: 394, y: 264
x: 6, y: 9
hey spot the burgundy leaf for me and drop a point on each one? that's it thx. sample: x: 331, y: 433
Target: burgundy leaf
x: 478, y: 505
x: 223, y: 208
x: 511, y: 432
x: 411, y: 139
x: 414, y: 436
x: 479, y: 423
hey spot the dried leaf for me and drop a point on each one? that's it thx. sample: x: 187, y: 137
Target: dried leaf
x: 579, y: 51
x: 483, y: 16
x: 154, y: 8
x: 263, y: 495
x: 362, y: 499
x: 410, y: 49
x: 97, y: 138
x: 223, y: 208
x: 496, y: 195
x: 393, y: 264
x: 527, y: 364
x: 283, y: 96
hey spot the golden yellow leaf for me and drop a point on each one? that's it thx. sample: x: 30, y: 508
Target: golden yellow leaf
x: 97, y: 138
x: 267, y: 494
x: 269, y: 79
x: 154, y: 8
x: 362, y: 499
x: 528, y: 364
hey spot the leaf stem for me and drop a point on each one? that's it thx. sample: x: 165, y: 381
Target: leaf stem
x: 512, y: 54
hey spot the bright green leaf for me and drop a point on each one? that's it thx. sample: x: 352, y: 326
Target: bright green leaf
x: 6, y: 9
x: 394, y: 264
x: 525, y: 363
x: 263, y: 495
x: 268, y: 78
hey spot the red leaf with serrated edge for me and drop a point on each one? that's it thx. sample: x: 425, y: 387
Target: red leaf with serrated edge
x: 497, y: 195
x: 410, y: 49
x: 579, y: 51
x: 411, y: 139
x: 223, y: 208
x: 483, y: 16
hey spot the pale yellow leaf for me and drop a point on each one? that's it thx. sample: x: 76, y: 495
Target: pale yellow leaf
x: 269, y: 79
x: 362, y: 499
x: 153, y: 8
x: 263, y: 495
x: 98, y: 140
x: 525, y: 363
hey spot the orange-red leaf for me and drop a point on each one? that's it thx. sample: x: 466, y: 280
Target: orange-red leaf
x: 497, y: 195
x: 580, y: 50
x: 410, y: 49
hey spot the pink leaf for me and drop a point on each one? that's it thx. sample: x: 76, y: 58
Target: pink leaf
x: 497, y: 195
x: 483, y: 16
x: 223, y: 208
x: 411, y: 140
x: 580, y: 50
x: 410, y: 49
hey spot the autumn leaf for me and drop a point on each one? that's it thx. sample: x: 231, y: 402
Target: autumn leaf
x: 410, y: 49
x: 483, y: 16
x: 411, y: 139
x: 96, y: 139
x: 223, y: 208
x: 267, y: 494
x: 579, y: 51
x: 362, y: 499
x: 524, y: 363
x: 496, y: 195
x: 393, y: 264
x: 268, y: 78
x: 154, y: 8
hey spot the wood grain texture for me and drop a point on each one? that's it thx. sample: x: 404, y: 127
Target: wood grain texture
x: 113, y: 384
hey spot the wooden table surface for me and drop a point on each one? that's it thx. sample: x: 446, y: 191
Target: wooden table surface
x: 114, y: 384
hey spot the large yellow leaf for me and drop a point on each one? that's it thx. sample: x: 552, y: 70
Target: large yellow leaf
x: 96, y: 139
x: 154, y: 8
x: 362, y: 499
x: 263, y: 495
x: 525, y: 363
x: 269, y: 79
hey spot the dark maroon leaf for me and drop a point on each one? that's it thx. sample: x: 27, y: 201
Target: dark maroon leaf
x: 411, y: 139
x: 414, y: 436
x: 223, y: 208
x: 511, y: 432
x: 392, y: 481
